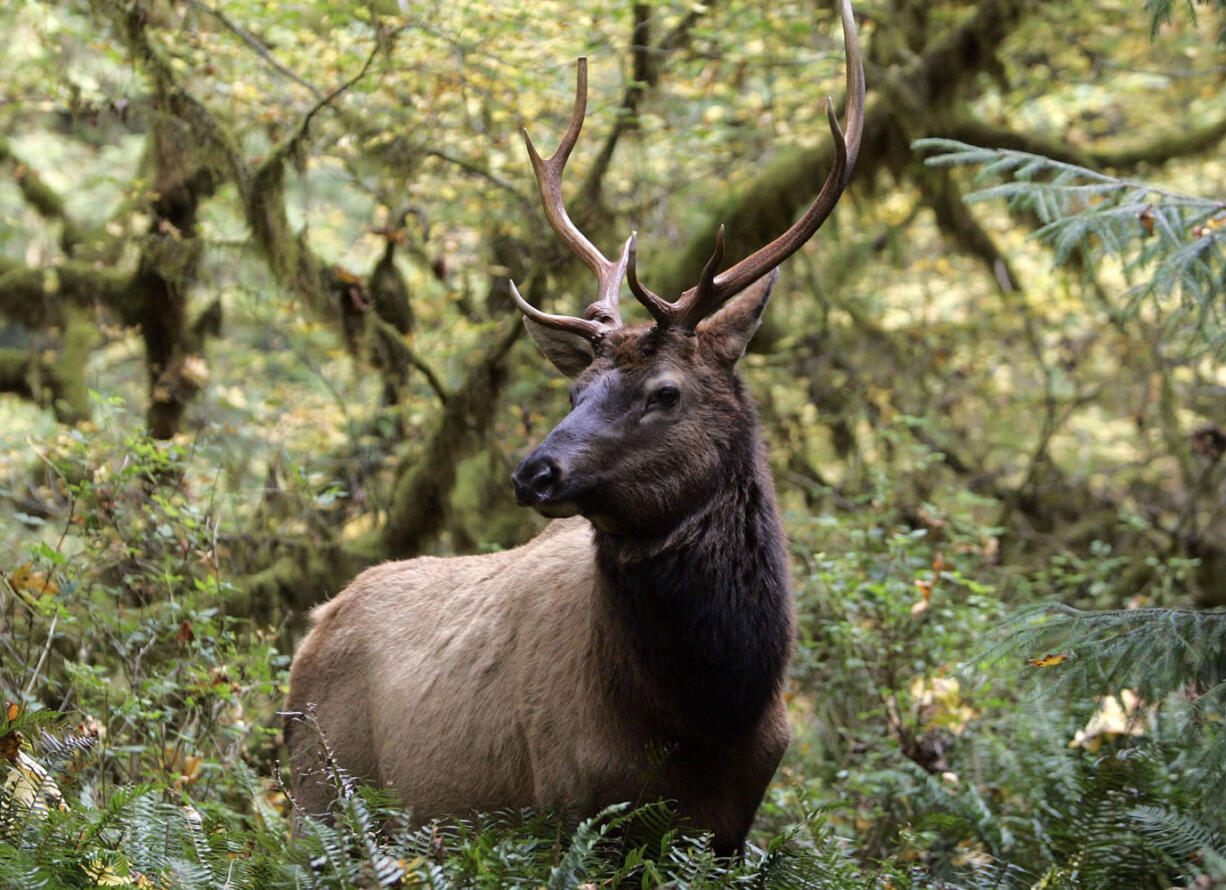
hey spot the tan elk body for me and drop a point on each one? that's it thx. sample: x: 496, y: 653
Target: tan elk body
x: 637, y: 648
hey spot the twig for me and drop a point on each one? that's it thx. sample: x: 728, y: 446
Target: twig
x: 470, y: 167
x: 395, y: 340
x: 254, y: 42
x: 646, y: 74
x: 42, y: 657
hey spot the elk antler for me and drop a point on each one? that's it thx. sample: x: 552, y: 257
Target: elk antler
x: 604, y: 314
x: 713, y: 290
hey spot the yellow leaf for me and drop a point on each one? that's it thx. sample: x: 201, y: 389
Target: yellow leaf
x: 20, y: 577
x: 186, y: 766
x: 1047, y: 661
x: 29, y: 785
x: 939, y: 703
x: 39, y: 583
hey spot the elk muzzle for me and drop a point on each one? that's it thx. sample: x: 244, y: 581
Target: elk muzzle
x: 547, y: 482
x: 536, y: 480
x: 567, y: 467
x: 542, y: 482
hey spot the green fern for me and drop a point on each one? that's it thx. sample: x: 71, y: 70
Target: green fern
x: 1162, y: 12
x: 577, y: 860
x: 1171, y: 247
x: 1154, y: 651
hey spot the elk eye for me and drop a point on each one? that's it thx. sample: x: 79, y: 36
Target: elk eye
x: 665, y: 396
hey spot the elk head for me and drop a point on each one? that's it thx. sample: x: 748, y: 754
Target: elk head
x: 658, y: 412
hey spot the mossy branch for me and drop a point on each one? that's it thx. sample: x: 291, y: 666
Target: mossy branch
x: 395, y: 343
x: 35, y: 296
x: 45, y: 200
x: 419, y: 503
x: 918, y: 98
x: 1160, y: 150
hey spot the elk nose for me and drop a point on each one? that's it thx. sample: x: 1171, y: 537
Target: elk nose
x: 535, y: 480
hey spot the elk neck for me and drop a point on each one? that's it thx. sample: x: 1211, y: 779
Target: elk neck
x: 694, y: 627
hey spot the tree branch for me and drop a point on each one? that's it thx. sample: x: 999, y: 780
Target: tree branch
x: 1158, y: 151
x: 255, y: 44
x: 646, y: 73
x: 955, y: 219
x: 419, y: 504
x: 394, y: 339
x: 44, y: 199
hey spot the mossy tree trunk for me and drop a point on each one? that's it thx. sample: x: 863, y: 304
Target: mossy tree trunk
x: 182, y: 178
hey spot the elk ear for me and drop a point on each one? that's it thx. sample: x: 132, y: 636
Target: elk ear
x: 730, y: 329
x: 568, y: 352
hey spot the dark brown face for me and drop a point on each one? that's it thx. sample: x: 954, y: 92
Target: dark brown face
x: 656, y: 415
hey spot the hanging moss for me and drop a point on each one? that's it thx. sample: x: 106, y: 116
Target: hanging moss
x: 389, y: 292
x: 421, y: 498
x: 50, y: 368
x: 71, y: 402
x: 482, y: 507
x: 300, y: 580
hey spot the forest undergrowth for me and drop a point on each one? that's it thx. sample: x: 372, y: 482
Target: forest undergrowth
x: 951, y: 729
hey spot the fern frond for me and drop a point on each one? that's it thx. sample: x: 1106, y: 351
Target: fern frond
x: 1169, y: 244
x: 1179, y: 835
x: 576, y: 861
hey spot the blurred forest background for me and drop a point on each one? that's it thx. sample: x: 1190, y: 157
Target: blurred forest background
x: 255, y: 334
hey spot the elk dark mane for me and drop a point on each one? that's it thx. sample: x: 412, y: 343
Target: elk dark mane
x: 699, y: 631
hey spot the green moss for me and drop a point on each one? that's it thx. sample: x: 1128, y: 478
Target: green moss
x: 752, y: 216
x: 483, y: 509
x: 67, y: 369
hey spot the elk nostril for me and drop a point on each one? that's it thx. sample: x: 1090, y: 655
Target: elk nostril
x: 544, y: 478
x: 536, y: 480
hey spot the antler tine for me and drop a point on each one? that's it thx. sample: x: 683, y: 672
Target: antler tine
x: 706, y: 296
x: 669, y: 314
x: 591, y: 330
x: 747, y: 271
x: 854, y: 100
x: 659, y: 308
x: 713, y: 290
x: 606, y: 309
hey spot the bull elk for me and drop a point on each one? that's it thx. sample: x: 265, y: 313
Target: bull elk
x: 637, y: 648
